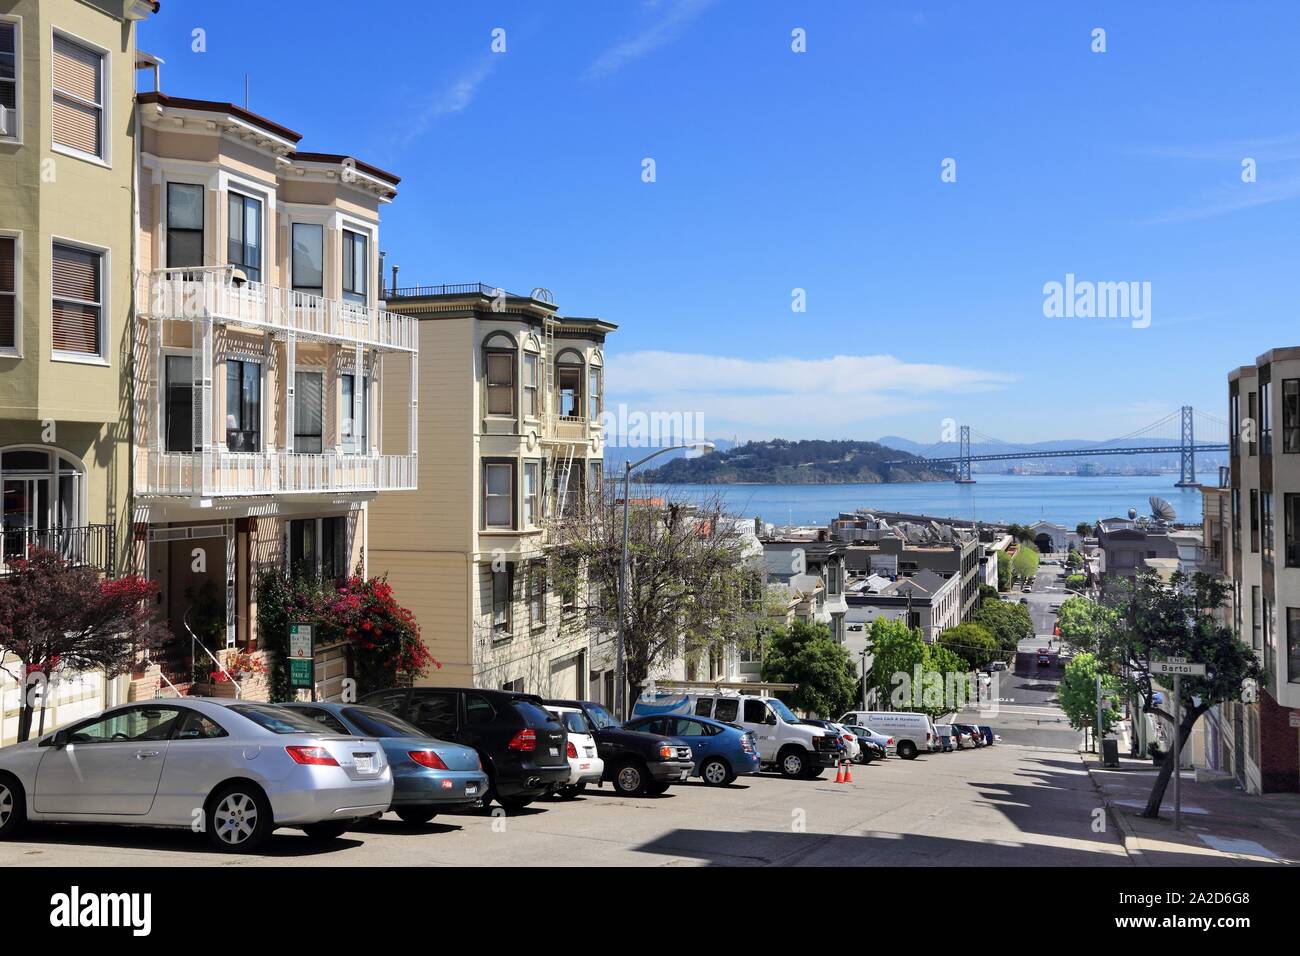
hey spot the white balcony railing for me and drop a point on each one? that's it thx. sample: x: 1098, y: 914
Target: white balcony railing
x: 220, y: 473
x: 213, y: 291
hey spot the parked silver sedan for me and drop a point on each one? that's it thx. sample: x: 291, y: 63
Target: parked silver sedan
x: 233, y: 769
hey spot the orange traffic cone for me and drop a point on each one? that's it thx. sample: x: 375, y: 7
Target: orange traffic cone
x: 839, y: 772
x: 848, y: 771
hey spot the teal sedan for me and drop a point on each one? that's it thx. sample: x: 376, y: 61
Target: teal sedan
x: 429, y: 775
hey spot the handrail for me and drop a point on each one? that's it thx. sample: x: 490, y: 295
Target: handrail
x: 195, y: 640
x: 175, y: 690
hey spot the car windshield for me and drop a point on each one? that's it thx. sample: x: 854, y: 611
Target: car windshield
x: 600, y: 717
x: 374, y: 722
x: 278, y: 720
x: 782, y: 711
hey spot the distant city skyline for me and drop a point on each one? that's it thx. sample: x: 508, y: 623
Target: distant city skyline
x: 816, y: 179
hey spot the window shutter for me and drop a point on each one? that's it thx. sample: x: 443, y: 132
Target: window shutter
x: 75, y: 276
x: 8, y: 249
x: 77, y: 82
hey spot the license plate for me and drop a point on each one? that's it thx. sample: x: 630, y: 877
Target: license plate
x: 365, y: 764
x: 471, y: 789
x: 555, y: 751
x: 684, y: 775
x: 583, y: 766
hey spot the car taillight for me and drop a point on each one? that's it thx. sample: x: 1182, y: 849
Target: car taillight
x: 667, y: 751
x: 746, y: 745
x: 427, y: 758
x: 313, y: 756
x: 927, y: 736
x: 572, y: 751
x: 889, y: 742
x: 525, y: 740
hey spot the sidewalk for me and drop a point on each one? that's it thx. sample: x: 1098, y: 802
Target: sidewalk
x: 1221, y: 825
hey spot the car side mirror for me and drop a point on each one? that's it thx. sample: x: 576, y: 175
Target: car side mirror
x: 770, y: 719
x: 57, y: 739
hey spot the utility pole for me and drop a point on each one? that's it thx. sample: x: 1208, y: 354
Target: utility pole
x: 1178, y: 751
x: 1101, y: 727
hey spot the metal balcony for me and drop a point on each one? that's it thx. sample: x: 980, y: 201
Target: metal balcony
x: 89, y: 545
x: 220, y: 294
x: 219, y: 473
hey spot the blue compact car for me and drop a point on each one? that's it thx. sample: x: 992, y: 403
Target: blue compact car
x: 429, y: 774
x: 722, y: 751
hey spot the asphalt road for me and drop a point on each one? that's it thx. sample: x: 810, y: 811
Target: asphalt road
x: 1028, y: 710
x: 996, y: 806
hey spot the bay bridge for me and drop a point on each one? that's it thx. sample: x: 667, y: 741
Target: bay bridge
x: 1176, y: 431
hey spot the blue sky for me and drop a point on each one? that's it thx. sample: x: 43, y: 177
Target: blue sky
x: 820, y: 171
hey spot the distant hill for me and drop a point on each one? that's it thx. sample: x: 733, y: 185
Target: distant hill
x: 782, y: 462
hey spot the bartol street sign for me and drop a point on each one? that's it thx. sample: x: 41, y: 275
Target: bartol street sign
x: 1178, y: 665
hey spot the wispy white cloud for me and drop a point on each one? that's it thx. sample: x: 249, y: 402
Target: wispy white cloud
x: 664, y: 28
x: 1277, y: 179
x: 792, y: 397
x: 1233, y: 197
x: 453, y: 97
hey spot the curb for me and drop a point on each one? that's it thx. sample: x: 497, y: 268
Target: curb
x: 1116, y: 817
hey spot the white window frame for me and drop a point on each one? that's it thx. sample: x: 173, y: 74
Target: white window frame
x: 323, y: 372
x: 343, y: 408
x: 104, y: 106
x: 105, y: 298
x: 16, y: 350
x: 16, y: 137
x: 171, y: 351
x: 485, y: 524
x: 208, y: 227
x: 371, y: 232
x: 263, y: 436
x: 532, y: 503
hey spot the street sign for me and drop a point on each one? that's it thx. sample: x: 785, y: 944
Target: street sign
x: 302, y: 658
x: 1178, y: 666
x: 1294, y: 719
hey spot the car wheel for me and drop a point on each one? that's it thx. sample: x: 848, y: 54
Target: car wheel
x: 630, y: 779
x: 324, y: 832
x: 239, y: 818
x: 514, y: 804
x: 571, y: 791
x: 416, y: 815
x: 866, y: 759
x: 907, y: 750
x: 716, y: 773
x: 657, y: 788
x: 13, y: 808
x: 792, y: 763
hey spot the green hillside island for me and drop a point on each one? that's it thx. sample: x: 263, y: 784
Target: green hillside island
x: 782, y: 462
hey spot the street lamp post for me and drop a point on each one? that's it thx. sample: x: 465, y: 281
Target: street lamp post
x: 619, y: 680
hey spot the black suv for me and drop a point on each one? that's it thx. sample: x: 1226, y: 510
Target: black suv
x: 523, y: 747
x: 636, y: 762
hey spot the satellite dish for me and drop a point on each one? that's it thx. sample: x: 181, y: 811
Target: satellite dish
x: 1132, y: 513
x: 1162, y: 510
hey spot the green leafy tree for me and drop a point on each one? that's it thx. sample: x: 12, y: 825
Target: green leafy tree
x: 1009, y: 624
x: 1083, y: 529
x: 809, y: 656
x: 1158, y: 620
x: 954, y: 678
x: 1004, y: 571
x: 1024, y: 564
x: 1078, y: 694
x: 972, y: 643
x: 1076, y: 582
x: 1074, y: 559
x: 896, y: 649
x: 987, y: 593
x: 1082, y: 621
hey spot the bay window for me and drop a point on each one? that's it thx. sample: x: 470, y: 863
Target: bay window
x: 498, y: 506
x: 244, y: 242
x: 243, y: 405
x: 355, y: 266
x: 184, y: 225
x: 308, y: 412
x: 78, y: 308
x: 353, y: 427
x: 306, y: 268
x: 77, y: 95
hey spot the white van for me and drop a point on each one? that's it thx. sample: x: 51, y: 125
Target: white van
x: 785, y: 743
x: 913, y: 733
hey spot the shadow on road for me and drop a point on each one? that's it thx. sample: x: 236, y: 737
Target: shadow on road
x: 283, y: 843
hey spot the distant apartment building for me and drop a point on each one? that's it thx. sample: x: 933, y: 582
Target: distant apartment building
x: 67, y: 73
x: 1261, y: 740
x: 260, y: 355
x: 510, y: 397
x: 1129, y: 544
x: 813, y: 569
